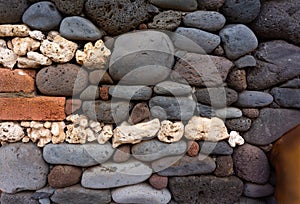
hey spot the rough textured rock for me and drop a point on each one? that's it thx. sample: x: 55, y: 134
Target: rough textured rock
x: 139, y: 113
x: 80, y: 195
x: 22, y: 168
x: 182, y: 5
x: 241, y: 11
x: 205, y: 189
x: 77, y: 155
x: 246, y: 61
x: 11, y: 132
x: 170, y: 132
x: 172, y: 88
x: 238, y: 40
x: 158, y: 182
x: 284, y: 21
x: 251, y: 164
x: 251, y: 112
x: 69, y: 7
x: 111, y: 175
x: 247, y: 200
x: 215, y: 148
x: 237, y: 80
x: 205, y: 20
x: 100, y: 76
x: 224, y: 166
x: 63, y: 176
x: 21, y: 46
x: 122, y: 154
x: 90, y: 93
x: 20, y: 198
x: 141, y: 193
x: 131, y: 92
x: 151, y: 150
x: 254, y: 99
x: 202, y: 70
x: 117, y: 17
x: 274, y: 67
x: 235, y: 139
x: 293, y: 83
x: 16, y: 10
x: 239, y: 124
x: 182, y: 107
x: 286, y: 97
x: 79, y: 28
x: 213, y: 5
x: 256, y: 191
x: 193, y: 149
x: 8, y: 30
x: 9, y: 58
x: 62, y: 80
x: 166, y: 20
x: 132, y: 61
x: 271, y: 124
x: 204, y: 111
x: 42, y: 16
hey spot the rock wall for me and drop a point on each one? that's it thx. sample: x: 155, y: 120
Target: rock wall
x: 142, y: 101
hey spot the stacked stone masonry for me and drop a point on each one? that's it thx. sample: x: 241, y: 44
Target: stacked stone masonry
x: 145, y: 101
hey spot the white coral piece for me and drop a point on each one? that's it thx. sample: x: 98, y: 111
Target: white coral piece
x: 235, y: 139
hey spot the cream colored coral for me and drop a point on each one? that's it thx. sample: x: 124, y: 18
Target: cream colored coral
x: 58, y: 133
x: 235, y: 139
x: 93, y: 57
x: 39, y: 58
x: 25, y: 63
x: 106, y: 134
x: 3, y: 43
x: 37, y: 35
x: 8, y: 57
x: 8, y: 30
x: 11, y: 132
x: 170, y: 132
x: 76, y: 135
x: 21, y: 46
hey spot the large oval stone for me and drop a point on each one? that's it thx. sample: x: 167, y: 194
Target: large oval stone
x: 15, y: 11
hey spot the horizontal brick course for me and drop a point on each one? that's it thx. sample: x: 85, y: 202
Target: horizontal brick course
x: 37, y: 108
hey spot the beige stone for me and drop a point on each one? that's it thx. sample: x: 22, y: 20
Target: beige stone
x: 133, y: 134
x: 36, y: 125
x: 40, y: 135
x: 58, y: 49
x: 21, y: 46
x: 8, y: 57
x: 105, y: 134
x: 39, y: 58
x: 170, y: 132
x: 200, y: 128
x: 96, y: 126
x: 3, y: 43
x: 76, y: 135
x: 93, y: 57
x: 235, y: 139
x: 25, y: 63
x: 8, y: 30
x: 91, y: 137
x: 26, y: 139
x: 11, y: 132
x: 58, y: 133
x: 47, y: 124
x: 37, y: 35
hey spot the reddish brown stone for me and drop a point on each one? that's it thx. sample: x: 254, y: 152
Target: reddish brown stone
x: 104, y: 90
x: 139, y: 113
x: 143, y: 26
x: 250, y: 112
x: 16, y: 81
x: 37, y: 108
x: 158, y: 182
x: 194, y: 149
x: 63, y: 176
x: 237, y: 80
x: 224, y: 166
x: 72, y: 105
x: 122, y: 154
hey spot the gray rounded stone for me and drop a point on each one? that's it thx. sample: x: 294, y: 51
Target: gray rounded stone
x: 230, y: 112
x: 247, y: 200
x: 13, y: 12
x: 61, y: 80
x: 254, y: 99
x: 151, y: 150
x: 204, y: 111
x: 172, y: 88
x: 205, y: 20
x: 239, y: 124
x: 207, y: 41
x: 76, y: 154
x: 141, y: 193
x: 69, y: 7
x: 176, y: 108
x: 238, y: 40
x: 42, y: 16
x: 293, y: 83
x: 243, y: 11
x: 253, y: 190
x: 111, y: 175
x: 20, y: 198
x: 22, y: 168
x: 182, y: 5
x: 286, y: 97
x: 79, y: 28
x: 246, y: 61
x: 132, y: 61
x: 210, y: 5
x: 166, y: 20
x: 90, y: 93
x: 131, y: 92
x: 215, y: 148
x: 79, y: 195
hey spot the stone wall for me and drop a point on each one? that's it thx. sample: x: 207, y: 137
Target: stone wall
x: 141, y: 101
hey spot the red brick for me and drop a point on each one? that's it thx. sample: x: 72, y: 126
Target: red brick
x: 37, y: 108
x: 18, y: 80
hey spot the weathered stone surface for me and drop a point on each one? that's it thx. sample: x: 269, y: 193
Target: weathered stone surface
x: 90, y: 93
x: 8, y: 30
x: 215, y: 148
x: 199, y: 128
x: 9, y: 58
x: 238, y: 40
x: 42, y: 16
x: 207, y: 41
x: 246, y: 61
x: 63, y: 176
x: 184, y: 165
x: 72, y: 105
x: 131, y: 92
x: 107, y: 111
x: 216, y: 97
x: 79, y: 195
x: 139, y: 113
x: 251, y: 164
x: 61, y: 80
x: 14, y: 12
x: 122, y: 154
x: 22, y: 168
x: 247, y: 200
x: 205, y: 189
x: 182, y: 5
x: 37, y: 58
x: 210, y: 5
x: 170, y: 132
x: 78, y: 155
x: 254, y: 99
x: 172, y: 88
x: 201, y: 70
x: 224, y: 166
x: 204, y: 111
x: 111, y: 175
x: 274, y: 67
x: 251, y: 112
x: 237, y: 80
x: 79, y: 28
x: 11, y: 132
x: 151, y: 150
x: 20, y: 198
x: 141, y: 193
x: 182, y: 107
x: 241, y: 11
x: 166, y: 20
x: 271, y: 124
x: 132, y: 59
x: 133, y: 134
x: 100, y: 76
x: 205, y: 20
x: 21, y: 46
x: 293, y: 83
x: 239, y: 124
x: 193, y: 149
x: 228, y: 113
x: 158, y: 182
x: 69, y: 7
x: 117, y: 17
x: 286, y: 97
x: 256, y: 191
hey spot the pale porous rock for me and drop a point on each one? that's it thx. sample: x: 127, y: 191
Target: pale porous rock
x: 93, y: 57
x: 39, y: 58
x: 135, y: 133
x: 24, y: 63
x: 11, y: 132
x: 58, y: 133
x: 170, y: 132
x: 38, y: 133
x: 58, y: 49
x: 235, y: 139
x: 8, y: 30
x: 37, y: 35
x: 8, y: 57
x: 199, y: 128
x: 21, y: 46
x: 3, y: 43
x: 106, y: 134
